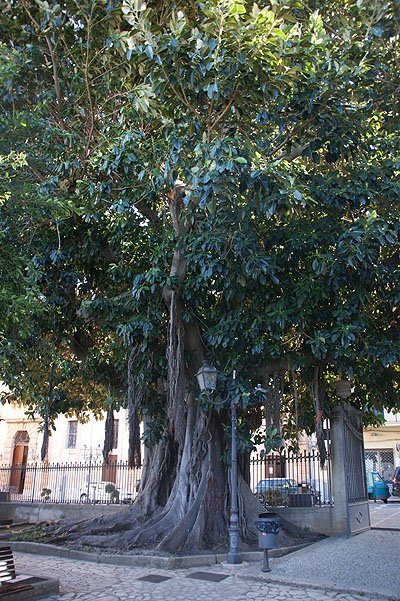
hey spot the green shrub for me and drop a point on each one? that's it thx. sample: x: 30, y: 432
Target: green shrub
x: 273, y: 497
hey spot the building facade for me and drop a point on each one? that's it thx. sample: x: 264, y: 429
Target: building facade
x: 74, y: 469
x: 382, y: 446
x: 70, y: 442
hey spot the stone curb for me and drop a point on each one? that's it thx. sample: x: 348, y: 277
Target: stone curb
x: 324, y: 586
x: 39, y: 590
x: 145, y: 561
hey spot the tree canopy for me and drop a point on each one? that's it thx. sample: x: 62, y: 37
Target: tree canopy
x: 191, y: 179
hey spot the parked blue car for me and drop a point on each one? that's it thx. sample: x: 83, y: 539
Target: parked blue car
x: 378, y: 490
x: 275, y: 491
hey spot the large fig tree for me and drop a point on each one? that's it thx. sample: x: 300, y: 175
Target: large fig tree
x: 229, y: 175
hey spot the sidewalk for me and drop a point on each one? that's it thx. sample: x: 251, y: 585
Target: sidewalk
x: 364, y: 567
x: 386, y: 516
x: 367, y: 563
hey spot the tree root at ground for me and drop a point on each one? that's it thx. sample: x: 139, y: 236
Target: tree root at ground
x: 130, y: 531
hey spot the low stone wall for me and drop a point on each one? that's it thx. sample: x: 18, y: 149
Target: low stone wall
x: 34, y: 513
x: 319, y: 520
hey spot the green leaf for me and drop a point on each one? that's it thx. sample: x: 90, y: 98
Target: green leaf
x: 149, y: 51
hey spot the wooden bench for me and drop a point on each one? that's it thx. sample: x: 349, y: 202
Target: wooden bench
x: 8, y: 586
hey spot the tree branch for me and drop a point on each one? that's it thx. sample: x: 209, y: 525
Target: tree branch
x: 90, y: 117
x: 55, y: 72
x: 228, y: 106
x: 181, y: 98
x: 52, y: 55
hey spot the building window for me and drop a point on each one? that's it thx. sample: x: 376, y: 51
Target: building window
x: 71, y: 436
x: 115, y: 434
x: 391, y: 416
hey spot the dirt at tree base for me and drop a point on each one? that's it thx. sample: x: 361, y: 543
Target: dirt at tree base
x: 289, y: 536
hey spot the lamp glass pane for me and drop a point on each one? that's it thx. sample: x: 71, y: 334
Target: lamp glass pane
x: 207, y: 377
x: 200, y: 380
x: 210, y: 378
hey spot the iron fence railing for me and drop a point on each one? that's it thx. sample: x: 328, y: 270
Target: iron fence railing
x: 277, y: 479
x: 71, y: 482
x: 294, y: 479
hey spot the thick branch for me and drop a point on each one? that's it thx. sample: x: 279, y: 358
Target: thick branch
x: 227, y: 107
x: 52, y: 56
x: 192, y: 336
x: 90, y: 118
x: 178, y: 266
x: 55, y: 73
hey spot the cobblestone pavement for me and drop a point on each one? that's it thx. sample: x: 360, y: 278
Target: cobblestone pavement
x: 86, y: 581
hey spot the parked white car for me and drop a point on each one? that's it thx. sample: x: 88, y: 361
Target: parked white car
x: 104, y: 492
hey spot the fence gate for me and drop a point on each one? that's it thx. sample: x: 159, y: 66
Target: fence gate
x: 354, y: 465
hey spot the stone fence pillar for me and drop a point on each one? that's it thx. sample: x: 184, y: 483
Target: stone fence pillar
x: 351, y: 510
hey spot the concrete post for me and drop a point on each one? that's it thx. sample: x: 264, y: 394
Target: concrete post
x: 338, y: 471
x: 348, y: 517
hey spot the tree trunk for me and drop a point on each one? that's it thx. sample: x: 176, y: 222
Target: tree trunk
x: 273, y: 402
x: 183, y: 505
x: 183, y: 502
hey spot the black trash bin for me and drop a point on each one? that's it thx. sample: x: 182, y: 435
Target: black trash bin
x: 268, y: 527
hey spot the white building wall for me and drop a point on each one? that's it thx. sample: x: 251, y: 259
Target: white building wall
x: 13, y: 420
x: 89, y: 441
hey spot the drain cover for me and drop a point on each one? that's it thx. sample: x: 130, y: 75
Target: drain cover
x: 154, y: 578
x: 210, y: 576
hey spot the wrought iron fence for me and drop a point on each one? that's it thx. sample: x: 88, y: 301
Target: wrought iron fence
x: 277, y: 479
x: 90, y: 482
x: 292, y: 479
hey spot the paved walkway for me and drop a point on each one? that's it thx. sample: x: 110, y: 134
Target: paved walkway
x: 367, y: 563
x: 385, y: 516
x: 322, y: 572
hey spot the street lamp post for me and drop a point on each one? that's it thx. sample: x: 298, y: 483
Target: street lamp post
x: 207, y: 379
x: 234, y: 556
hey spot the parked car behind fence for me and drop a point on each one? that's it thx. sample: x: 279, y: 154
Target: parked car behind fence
x: 275, y: 491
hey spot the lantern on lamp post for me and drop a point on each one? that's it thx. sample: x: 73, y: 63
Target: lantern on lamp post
x: 207, y: 377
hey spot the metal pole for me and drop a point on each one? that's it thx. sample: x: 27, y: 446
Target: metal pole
x: 34, y: 482
x: 234, y: 556
x: 265, y: 567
